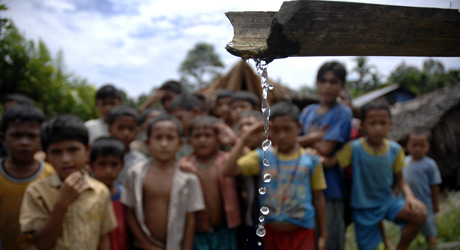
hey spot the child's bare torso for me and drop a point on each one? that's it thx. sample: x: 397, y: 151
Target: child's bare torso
x: 156, y: 192
x: 212, y: 195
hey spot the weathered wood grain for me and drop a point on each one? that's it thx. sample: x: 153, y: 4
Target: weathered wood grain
x: 324, y: 28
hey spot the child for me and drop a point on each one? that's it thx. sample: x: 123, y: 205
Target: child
x: 215, y: 226
x: 185, y: 108
x: 21, y: 135
x: 106, y: 161
x: 165, y: 94
x: 326, y: 127
x: 295, y: 192
x: 69, y: 209
x: 160, y: 199
x: 376, y: 163
x: 123, y: 126
x: 423, y: 176
x: 142, y: 122
x: 243, y: 101
x: 107, y: 97
x: 222, y: 106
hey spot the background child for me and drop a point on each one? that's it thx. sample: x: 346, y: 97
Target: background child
x: 107, y: 97
x: 377, y: 163
x: 106, y: 160
x: 222, y: 106
x: 123, y: 126
x: 423, y: 176
x: 160, y: 198
x: 326, y: 127
x: 21, y: 125
x: 68, y: 209
x: 216, y: 225
x: 295, y: 193
x: 142, y: 122
x: 243, y: 101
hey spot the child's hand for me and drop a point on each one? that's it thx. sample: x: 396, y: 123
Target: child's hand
x: 311, y: 151
x: 415, y: 205
x: 253, y: 133
x: 321, y: 243
x: 225, y: 133
x: 71, y: 188
x: 186, y: 166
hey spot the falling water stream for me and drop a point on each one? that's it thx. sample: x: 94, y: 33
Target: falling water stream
x: 261, y: 67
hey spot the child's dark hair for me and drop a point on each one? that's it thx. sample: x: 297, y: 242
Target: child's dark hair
x: 285, y: 109
x: 246, y: 96
x: 145, y: 114
x: 254, y: 113
x: 420, y: 131
x: 337, y: 68
x: 224, y: 93
x: 22, y: 113
x: 122, y: 111
x: 174, y: 86
x: 184, y: 101
x: 206, y: 121
x: 19, y: 98
x: 164, y: 117
x: 105, y: 146
x: 379, y: 105
x: 62, y: 128
x: 108, y: 91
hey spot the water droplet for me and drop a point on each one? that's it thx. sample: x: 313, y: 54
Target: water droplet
x: 259, y: 243
x: 261, y: 218
x: 264, y: 210
x: 267, y: 178
x: 262, y: 190
x: 266, y: 163
x: 270, y: 86
x: 266, y: 144
x: 260, y: 231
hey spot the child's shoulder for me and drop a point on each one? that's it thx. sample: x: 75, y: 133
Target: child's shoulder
x: 99, y: 187
x: 94, y: 122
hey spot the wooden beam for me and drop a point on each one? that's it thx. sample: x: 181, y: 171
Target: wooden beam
x: 324, y: 28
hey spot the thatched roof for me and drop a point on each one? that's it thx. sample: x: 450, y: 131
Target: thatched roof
x: 242, y: 77
x: 424, y: 112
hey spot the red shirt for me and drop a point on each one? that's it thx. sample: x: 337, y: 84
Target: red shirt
x: 119, y: 236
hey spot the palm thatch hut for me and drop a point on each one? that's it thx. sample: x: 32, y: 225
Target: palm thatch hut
x: 439, y: 113
x: 242, y: 77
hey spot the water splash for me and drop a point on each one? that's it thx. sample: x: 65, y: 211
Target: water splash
x: 267, y: 178
x: 261, y: 218
x: 262, y: 190
x: 264, y: 210
x: 260, y: 231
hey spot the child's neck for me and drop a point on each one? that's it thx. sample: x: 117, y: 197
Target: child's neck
x: 113, y: 190
x: 289, y: 151
x: 376, y: 145
x: 205, y: 160
x: 21, y: 169
x: 163, y: 165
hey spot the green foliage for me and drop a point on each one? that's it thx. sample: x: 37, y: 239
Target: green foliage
x: 28, y: 67
x: 368, y: 77
x: 200, y: 66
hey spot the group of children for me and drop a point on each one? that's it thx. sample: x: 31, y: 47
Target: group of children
x: 177, y: 177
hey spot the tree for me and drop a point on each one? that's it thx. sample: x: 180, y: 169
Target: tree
x: 368, y: 77
x: 201, y: 65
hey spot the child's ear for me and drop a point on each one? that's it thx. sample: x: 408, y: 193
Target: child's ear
x: 88, y: 151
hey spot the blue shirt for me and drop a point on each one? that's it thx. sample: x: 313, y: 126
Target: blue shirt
x: 421, y: 176
x: 337, y: 125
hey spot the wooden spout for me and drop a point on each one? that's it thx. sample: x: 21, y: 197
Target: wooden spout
x: 324, y: 28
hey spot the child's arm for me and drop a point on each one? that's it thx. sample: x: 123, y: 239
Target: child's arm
x: 104, y: 242
x: 435, y: 197
x: 45, y: 236
x: 329, y: 162
x: 308, y: 140
x: 320, y: 207
x: 325, y: 147
x: 411, y: 202
x: 189, y: 231
x: 136, y: 230
x: 231, y: 167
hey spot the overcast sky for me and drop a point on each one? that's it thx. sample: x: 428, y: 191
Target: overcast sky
x: 139, y: 44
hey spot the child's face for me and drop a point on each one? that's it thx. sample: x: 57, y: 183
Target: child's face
x: 105, y: 105
x: 329, y: 87
x: 164, y: 141
x: 284, y: 132
x: 223, y: 108
x: 244, y: 123
x: 150, y: 115
x: 185, y: 117
x: 240, y: 106
x: 418, y: 146
x: 106, y: 168
x: 124, y: 128
x: 67, y: 156
x: 204, y: 141
x: 167, y: 98
x: 23, y: 140
x: 377, y: 124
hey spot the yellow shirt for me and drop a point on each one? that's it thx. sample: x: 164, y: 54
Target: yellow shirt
x: 87, y: 218
x: 11, y: 193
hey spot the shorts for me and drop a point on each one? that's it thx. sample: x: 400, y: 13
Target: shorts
x: 429, y: 228
x: 335, y: 223
x: 224, y: 239
x: 367, y: 222
x: 299, y: 239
